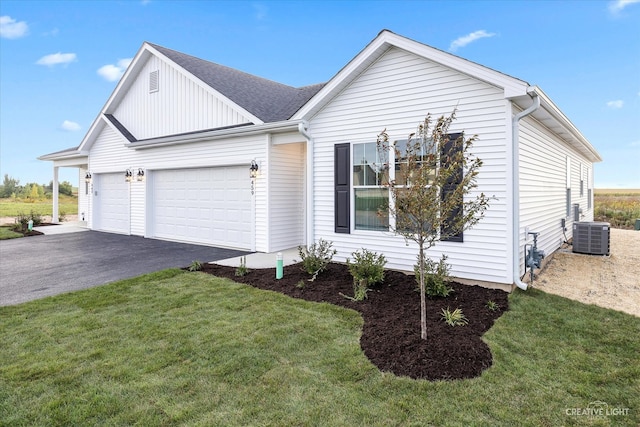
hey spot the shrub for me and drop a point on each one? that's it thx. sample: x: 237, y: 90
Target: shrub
x: 22, y: 220
x: 195, y: 266
x: 242, y: 269
x: 436, y: 277
x: 454, y: 318
x: 367, y: 270
x: 62, y: 216
x: 316, y: 257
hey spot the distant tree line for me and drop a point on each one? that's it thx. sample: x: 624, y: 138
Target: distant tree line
x: 11, y: 188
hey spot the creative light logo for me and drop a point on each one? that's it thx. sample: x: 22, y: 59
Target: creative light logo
x: 597, y: 409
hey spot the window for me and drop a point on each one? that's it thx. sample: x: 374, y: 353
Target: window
x: 588, y: 189
x: 581, y: 181
x: 370, y: 196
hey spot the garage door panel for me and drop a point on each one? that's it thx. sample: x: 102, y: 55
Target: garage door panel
x: 113, y: 212
x: 208, y: 205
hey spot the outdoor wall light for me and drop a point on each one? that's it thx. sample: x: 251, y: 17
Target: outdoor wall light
x: 253, y: 169
x: 128, y: 175
x: 140, y: 175
x: 87, y: 177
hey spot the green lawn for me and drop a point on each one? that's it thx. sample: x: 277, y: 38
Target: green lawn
x: 176, y: 348
x: 10, y: 207
x: 6, y: 233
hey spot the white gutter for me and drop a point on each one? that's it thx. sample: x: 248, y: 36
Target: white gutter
x: 515, y: 203
x: 215, y: 134
x: 303, y: 129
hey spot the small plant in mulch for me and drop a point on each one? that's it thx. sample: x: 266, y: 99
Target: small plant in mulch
x: 436, y: 277
x: 492, y: 305
x: 454, y: 318
x: 316, y: 257
x: 367, y: 270
x: 242, y: 269
x: 195, y: 266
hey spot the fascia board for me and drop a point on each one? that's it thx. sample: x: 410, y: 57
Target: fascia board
x: 64, y: 155
x: 563, y: 121
x: 204, y: 86
x: 267, y: 128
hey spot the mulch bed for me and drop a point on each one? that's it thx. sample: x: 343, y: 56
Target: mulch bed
x: 391, y: 333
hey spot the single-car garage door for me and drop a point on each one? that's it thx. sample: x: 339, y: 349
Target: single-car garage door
x: 112, y: 211
x: 207, y: 205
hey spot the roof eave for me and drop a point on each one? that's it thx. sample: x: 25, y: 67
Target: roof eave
x: 266, y: 128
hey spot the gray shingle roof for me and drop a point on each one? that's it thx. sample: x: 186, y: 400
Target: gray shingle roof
x: 268, y: 100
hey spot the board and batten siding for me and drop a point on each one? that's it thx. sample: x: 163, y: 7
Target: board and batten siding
x: 286, y: 196
x: 543, y: 186
x: 395, y: 93
x: 109, y: 154
x: 180, y: 104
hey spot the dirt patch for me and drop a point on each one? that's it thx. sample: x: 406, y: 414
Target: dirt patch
x: 391, y: 332
x: 607, y: 281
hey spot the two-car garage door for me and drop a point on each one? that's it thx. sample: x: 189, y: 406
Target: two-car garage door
x: 206, y: 205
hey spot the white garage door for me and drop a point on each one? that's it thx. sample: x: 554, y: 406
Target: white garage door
x: 112, y: 203
x: 208, y: 205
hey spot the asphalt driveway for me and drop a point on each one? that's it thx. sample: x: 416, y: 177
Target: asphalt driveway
x: 40, y: 266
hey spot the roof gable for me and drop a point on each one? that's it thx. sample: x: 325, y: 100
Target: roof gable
x: 268, y: 100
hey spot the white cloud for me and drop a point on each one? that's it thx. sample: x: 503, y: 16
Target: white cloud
x: 616, y: 105
x: 616, y: 6
x: 57, y: 58
x: 12, y: 29
x: 111, y: 72
x: 634, y: 144
x: 69, y: 126
x: 471, y: 37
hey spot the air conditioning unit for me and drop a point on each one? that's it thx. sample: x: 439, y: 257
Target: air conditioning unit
x: 591, y: 238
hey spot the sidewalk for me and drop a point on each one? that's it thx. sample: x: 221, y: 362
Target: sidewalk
x: 263, y: 260
x: 63, y: 228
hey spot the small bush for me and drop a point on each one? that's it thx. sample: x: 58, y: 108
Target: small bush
x: 454, y: 318
x: 242, y: 270
x: 195, y: 266
x: 62, y: 216
x: 367, y: 270
x: 436, y: 277
x: 316, y: 257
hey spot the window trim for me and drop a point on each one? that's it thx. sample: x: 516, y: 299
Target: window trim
x: 353, y: 188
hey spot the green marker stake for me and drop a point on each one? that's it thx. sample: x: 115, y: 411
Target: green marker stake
x: 279, y: 266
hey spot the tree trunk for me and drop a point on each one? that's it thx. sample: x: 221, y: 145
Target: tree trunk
x: 423, y: 300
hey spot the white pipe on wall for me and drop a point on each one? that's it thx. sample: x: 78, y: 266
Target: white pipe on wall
x: 516, y: 186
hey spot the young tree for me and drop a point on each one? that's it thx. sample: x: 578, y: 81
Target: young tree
x: 434, y: 171
x: 9, y: 186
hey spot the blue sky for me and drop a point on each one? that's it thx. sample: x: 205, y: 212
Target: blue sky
x: 60, y: 60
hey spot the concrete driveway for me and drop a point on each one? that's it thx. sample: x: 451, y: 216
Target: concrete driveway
x: 40, y: 266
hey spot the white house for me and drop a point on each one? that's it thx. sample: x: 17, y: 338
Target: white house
x: 186, y: 132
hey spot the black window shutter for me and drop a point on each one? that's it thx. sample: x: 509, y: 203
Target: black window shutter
x: 449, y: 149
x: 342, y: 167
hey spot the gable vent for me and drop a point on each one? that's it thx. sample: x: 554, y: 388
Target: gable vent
x: 153, y: 81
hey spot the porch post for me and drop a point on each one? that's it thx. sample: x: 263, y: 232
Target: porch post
x: 55, y: 214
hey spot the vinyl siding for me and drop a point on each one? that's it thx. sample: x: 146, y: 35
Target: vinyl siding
x: 396, y: 92
x: 180, y: 105
x: 109, y: 154
x: 84, y: 194
x: 543, y: 184
x: 286, y: 196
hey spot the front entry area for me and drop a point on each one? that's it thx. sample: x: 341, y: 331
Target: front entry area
x: 212, y: 206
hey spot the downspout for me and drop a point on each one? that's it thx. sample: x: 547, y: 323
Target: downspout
x: 303, y: 129
x: 516, y: 185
